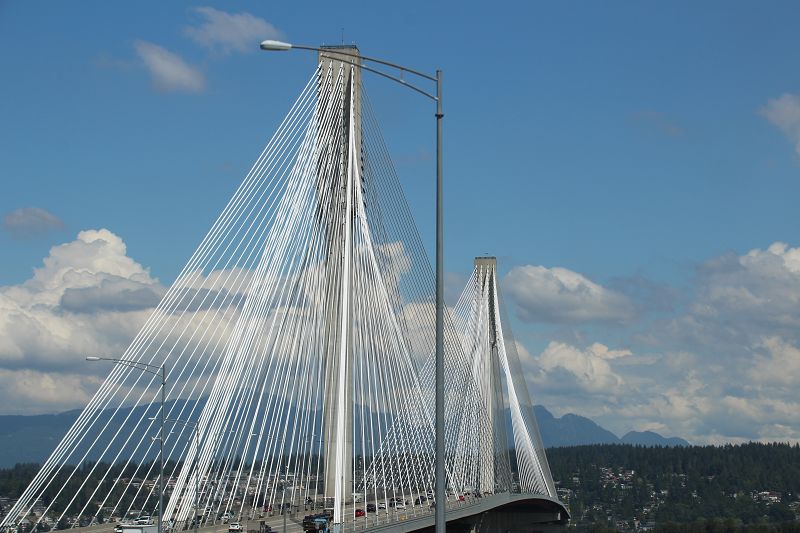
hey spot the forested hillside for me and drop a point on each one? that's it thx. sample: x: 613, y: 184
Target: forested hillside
x: 625, y: 486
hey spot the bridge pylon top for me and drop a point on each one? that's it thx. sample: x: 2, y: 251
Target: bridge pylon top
x: 348, y: 52
x: 486, y: 261
x: 339, y: 47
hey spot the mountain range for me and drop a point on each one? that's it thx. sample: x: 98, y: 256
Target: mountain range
x: 31, y: 439
x: 575, y: 430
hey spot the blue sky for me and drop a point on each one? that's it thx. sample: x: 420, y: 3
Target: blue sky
x: 644, y: 147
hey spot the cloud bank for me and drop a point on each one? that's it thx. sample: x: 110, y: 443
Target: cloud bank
x: 723, y: 367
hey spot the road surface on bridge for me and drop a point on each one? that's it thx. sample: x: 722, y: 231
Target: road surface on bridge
x: 382, y: 520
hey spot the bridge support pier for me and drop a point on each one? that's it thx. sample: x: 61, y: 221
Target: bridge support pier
x: 524, y: 515
x: 502, y: 522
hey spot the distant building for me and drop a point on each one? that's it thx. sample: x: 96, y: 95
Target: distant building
x: 769, y: 496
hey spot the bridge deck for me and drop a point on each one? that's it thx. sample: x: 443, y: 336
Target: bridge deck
x: 384, y: 521
x: 473, y: 508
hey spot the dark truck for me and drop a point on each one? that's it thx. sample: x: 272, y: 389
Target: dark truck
x: 316, y: 522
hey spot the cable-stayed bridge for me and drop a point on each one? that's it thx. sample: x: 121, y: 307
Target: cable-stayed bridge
x: 297, y: 353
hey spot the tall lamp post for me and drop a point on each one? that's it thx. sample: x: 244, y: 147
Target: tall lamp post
x: 278, y: 46
x: 284, y: 468
x: 162, y: 372
x: 196, y: 429
x: 283, y: 498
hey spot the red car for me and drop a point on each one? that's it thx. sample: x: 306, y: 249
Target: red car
x: 360, y: 512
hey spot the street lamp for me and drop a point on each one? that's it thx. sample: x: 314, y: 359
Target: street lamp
x: 161, y: 370
x: 278, y: 46
x: 196, y: 428
x: 283, y: 499
x: 284, y: 465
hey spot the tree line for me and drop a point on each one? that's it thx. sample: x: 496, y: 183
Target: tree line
x: 676, y: 487
x: 709, y: 488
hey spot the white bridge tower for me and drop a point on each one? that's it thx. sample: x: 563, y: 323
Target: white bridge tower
x: 338, y: 194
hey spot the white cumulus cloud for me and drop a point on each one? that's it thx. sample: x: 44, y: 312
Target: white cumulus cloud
x: 723, y: 367
x: 739, y: 300
x: 88, y: 298
x: 777, y: 364
x: 587, y: 369
x: 49, y: 392
x: 784, y: 113
x: 226, y: 32
x: 168, y: 71
x: 560, y: 295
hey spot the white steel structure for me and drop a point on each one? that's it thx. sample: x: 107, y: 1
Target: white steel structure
x: 299, y: 339
x: 501, y: 392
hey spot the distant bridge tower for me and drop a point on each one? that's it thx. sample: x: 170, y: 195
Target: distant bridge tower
x: 340, y: 172
x: 487, y: 371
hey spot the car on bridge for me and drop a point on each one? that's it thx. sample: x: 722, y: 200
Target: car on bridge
x: 394, y: 501
x: 316, y: 522
x: 235, y: 527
